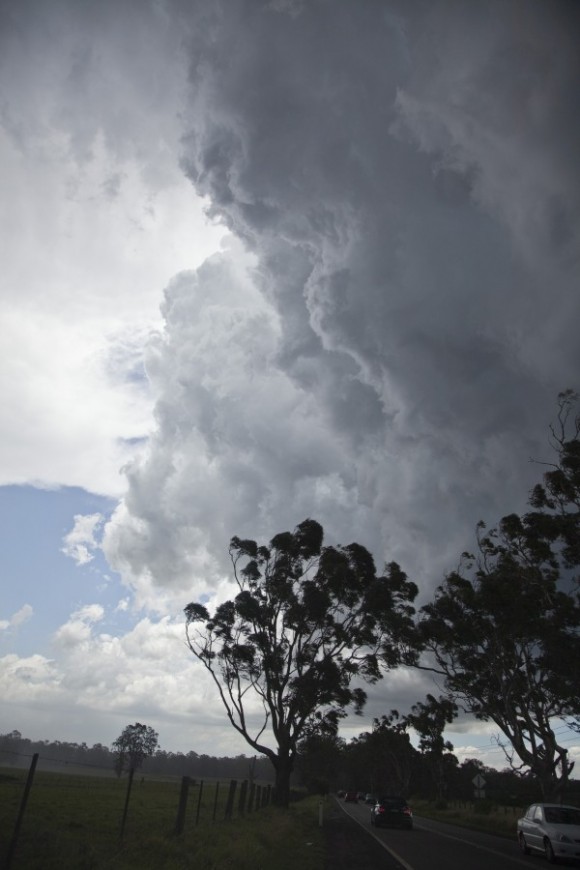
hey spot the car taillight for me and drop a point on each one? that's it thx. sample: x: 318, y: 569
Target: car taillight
x: 407, y: 811
x: 381, y: 809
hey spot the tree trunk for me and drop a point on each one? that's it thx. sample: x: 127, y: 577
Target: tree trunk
x: 551, y: 786
x: 553, y: 774
x: 283, y: 767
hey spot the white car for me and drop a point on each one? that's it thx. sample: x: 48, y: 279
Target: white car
x: 553, y: 829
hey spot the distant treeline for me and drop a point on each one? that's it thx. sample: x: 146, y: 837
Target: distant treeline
x: 385, y: 762
x: 16, y: 751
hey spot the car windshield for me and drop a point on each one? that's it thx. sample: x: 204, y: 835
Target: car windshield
x: 392, y: 802
x: 562, y: 815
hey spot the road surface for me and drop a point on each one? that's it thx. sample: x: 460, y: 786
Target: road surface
x: 437, y: 846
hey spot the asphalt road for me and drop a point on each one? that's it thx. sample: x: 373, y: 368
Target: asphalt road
x: 436, y: 846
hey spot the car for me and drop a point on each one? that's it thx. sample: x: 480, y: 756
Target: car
x: 553, y: 829
x: 391, y: 811
x: 370, y: 799
x: 351, y: 796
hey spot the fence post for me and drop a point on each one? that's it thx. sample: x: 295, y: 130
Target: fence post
x: 243, y: 793
x: 23, y: 803
x: 231, y: 795
x: 251, y: 797
x: 268, y: 795
x: 258, y: 797
x: 126, y: 809
x: 180, y: 821
x: 217, y: 791
x: 199, y: 802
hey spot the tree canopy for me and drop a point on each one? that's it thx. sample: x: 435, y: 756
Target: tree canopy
x: 136, y: 743
x: 307, y: 620
x: 504, y: 630
x: 429, y: 718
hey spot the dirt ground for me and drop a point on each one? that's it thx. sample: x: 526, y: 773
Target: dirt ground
x: 350, y: 847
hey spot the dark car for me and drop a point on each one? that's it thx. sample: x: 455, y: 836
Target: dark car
x: 392, y: 812
x: 351, y: 796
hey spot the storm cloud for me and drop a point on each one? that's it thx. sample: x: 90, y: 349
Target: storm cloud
x: 382, y: 346
x: 369, y: 326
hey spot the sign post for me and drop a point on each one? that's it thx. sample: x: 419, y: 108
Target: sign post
x: 479, y: 783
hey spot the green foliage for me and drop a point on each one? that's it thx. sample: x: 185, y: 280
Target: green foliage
x: 504, y: 630
x: 306, y: 621
x: 136, y: 743
x: 319, y: 762
x: 557, y: 499
x: 429, y: 721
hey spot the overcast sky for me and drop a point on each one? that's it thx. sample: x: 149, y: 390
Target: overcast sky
x: 265, y: 261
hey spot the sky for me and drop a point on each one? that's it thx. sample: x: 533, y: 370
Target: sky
x: 265, y: 260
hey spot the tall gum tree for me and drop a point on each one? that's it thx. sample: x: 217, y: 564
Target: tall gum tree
x: 307, y: 622
x: 504, y: 630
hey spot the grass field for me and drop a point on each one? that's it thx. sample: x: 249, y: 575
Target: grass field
x: 75, y: 822
x: 480, y: 816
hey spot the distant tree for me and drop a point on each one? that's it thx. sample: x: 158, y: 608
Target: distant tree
x: 136, y: 743
x: 429, y: 720
x: 319, y: 762
x: 11, y: 747
x: 306, y: 621
x: 392, y: 757
x: 504, y: 630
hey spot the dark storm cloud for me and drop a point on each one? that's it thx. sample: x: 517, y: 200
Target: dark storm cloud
x: 405, y: 179
x: 378, y: 347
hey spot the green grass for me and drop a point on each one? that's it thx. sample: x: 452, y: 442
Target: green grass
x: 75, y: 821
x: 482, y: 816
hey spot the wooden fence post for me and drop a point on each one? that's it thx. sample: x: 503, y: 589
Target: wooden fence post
x: 199, y: 803
x: 215, y: 801
x: 23, y: 803
x: 243, y: 793
x: 251, y: 797
x: 126, y: 809
x: 180, y: 821
x: 231, y: 796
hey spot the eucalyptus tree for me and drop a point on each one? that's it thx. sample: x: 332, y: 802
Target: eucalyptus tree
x: 555, y: 518
x: 429, y: 719
x: 136, y: 743
x: 308, y: 624
x: 504, y: 630
x: 552, y: 528
x: 393, y: 756
x: 320, y: 761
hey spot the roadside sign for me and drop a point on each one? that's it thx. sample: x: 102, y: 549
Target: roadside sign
x: 478, y: 781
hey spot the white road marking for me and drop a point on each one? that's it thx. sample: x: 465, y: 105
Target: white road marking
x: 407, y: 866
x: 392, y: 852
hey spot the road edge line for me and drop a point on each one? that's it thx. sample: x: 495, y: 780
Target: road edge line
x: 372, y: 834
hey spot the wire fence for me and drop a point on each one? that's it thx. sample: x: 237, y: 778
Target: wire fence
x: 108, y: 807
